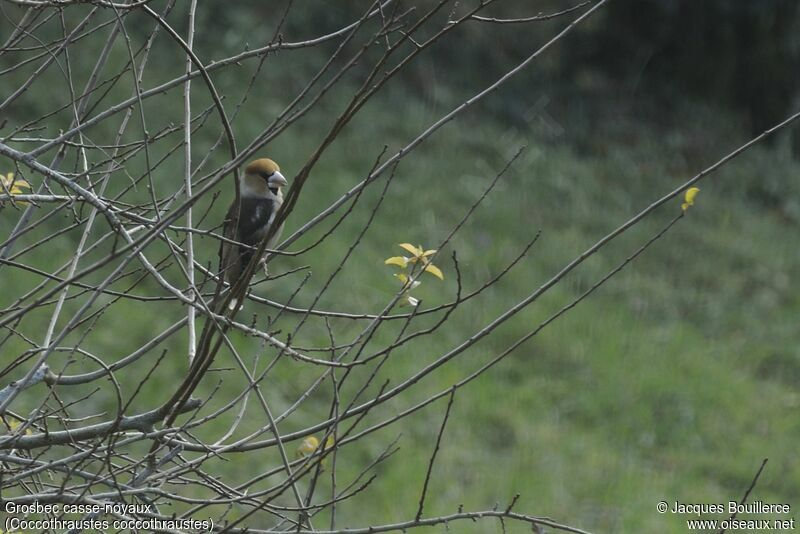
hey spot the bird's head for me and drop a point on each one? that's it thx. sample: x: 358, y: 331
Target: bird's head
x: 262, y: 177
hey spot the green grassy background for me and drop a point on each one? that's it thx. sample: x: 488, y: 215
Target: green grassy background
x: 672, y: 382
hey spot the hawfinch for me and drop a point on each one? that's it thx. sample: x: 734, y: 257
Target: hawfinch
x: 260, y: 197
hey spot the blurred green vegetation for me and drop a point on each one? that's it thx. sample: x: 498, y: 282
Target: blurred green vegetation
x: 672, y: 382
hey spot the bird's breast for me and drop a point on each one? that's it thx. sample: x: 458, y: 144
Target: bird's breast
x: 255, y: 217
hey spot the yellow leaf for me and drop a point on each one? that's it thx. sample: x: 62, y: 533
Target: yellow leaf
x: 435, y: 271
x: 417, y: 252
x: 307, y: 447
x: 402, y: 277
x: 688, y: 197
x: 14, y: 425
x: 400, y: 261
x: 428, y: 253
x: 14, y: 187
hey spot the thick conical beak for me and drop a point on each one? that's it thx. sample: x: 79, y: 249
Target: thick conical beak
x: 277, y: 180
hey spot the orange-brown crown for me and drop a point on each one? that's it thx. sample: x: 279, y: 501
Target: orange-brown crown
x: 262, y: 166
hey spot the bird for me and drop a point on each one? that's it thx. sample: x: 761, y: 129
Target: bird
x: 249, y: 221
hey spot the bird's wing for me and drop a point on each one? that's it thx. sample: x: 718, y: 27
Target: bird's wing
x: 229, y: 260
